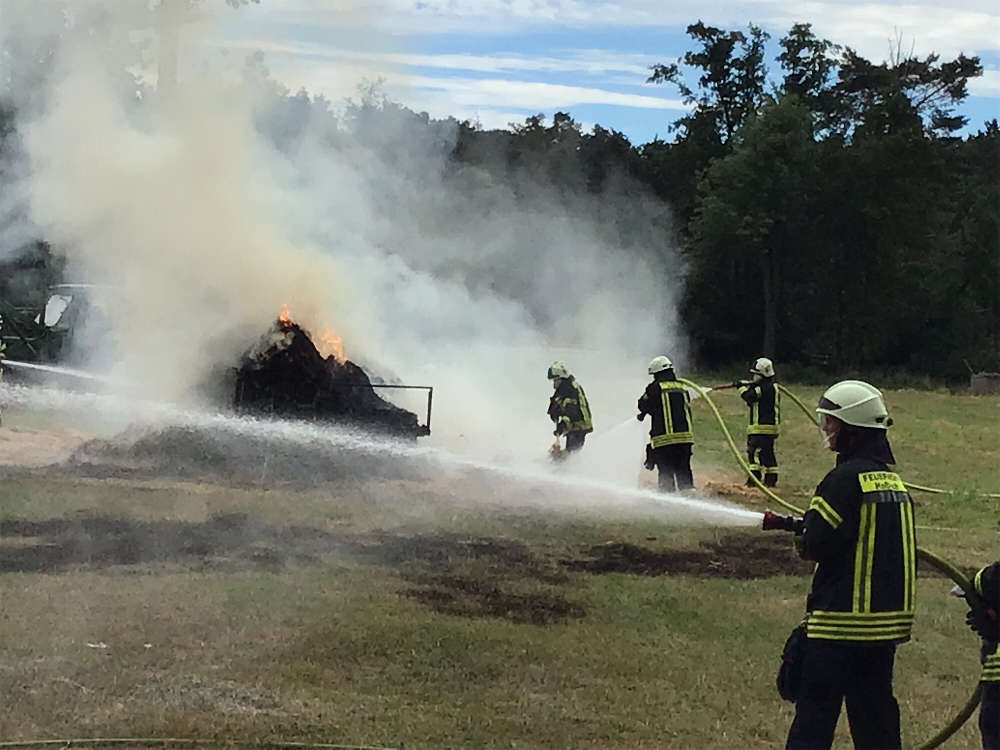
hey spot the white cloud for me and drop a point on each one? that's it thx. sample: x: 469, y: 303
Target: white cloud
x: 358, y: 40
x: 986, y: 85
x: 494, y: 102
x: 534, y: 95
x: 944, y: 26
x: 590, y: 62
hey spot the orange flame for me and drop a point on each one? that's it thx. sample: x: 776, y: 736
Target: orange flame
x: 329, y: 343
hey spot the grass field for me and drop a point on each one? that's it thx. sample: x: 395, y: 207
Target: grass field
x: 450, y: 612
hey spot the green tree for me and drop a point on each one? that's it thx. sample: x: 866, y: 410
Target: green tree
x: 731, y: 77
x: 810, y: 67
x: 975, y: 193
x: 754, y: 209
x: 730, y: 87
x: 904, y: 89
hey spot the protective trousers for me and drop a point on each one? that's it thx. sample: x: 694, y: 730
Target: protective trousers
x: 761, y: 457
x: 834, y: 673
x: 574, y: 440
x: 673, y: 463
x: 989, y: 716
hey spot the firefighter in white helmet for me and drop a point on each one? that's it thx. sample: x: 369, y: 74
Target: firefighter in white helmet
x: 859, y: 529
x: 568, y: 407
x: 763, y: 424
x: 670, y: 437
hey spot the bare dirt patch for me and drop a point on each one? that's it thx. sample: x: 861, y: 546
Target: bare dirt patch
x: 36, y: 448
x: 735, y: 556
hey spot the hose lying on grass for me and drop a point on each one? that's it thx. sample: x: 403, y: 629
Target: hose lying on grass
x: 166, y: 741
x: 927, y: 556
x: 933, y: 490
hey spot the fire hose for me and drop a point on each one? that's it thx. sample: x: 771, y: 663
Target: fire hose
x: 943, y: 566
x: 932, y: 490
x: 186, y: 741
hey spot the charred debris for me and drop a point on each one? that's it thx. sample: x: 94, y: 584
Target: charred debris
x: 284, y: 375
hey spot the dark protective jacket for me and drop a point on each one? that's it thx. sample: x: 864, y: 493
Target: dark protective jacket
x: 668, y: 404
x: 859, y: 529
x: 987, y: 584
x: 764, y: 401
x: 569, y: 409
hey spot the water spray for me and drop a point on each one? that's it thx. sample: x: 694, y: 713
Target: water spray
x: 308, y: 434
x: 68, y: 372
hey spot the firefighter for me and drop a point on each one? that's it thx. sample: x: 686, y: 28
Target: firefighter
x: 859, y: 529
x: 568, y: 407
x: 982, y: 618
x: 670, y: 437
x: 764, y: 402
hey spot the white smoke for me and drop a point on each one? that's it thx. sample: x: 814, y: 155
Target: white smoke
x: 205, y: 210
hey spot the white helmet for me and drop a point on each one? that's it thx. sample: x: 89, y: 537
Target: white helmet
x: 659, y: 364
x: 558, y: 370
x: 763, y: 367
x: 857, y: 403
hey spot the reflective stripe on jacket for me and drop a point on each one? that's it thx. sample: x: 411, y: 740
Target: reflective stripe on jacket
x: 568, y: 407
x: 859, y: 528
x: 987, y: 585
x: 669, y: 405
x: 991, y: 664
x: 764, y: 401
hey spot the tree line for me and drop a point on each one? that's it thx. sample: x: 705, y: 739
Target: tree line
x: 817, y: 208
x: 827, y: 212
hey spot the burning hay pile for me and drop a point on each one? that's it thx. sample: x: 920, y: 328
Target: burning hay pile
x: 286, y: 376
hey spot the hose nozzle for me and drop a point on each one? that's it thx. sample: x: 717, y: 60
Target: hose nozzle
x: 774, y: 522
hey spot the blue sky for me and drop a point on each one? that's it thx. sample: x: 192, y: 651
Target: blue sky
x: 498, y: 61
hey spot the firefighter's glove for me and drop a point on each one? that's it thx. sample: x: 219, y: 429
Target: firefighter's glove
x: 983, y: 620
x: 640, y: 416
x: 738, y: 384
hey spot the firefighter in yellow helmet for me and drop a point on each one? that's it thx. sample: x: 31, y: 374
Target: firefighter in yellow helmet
x: 670, y: 437
x: 859, y: 529
x: 568, y: 407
